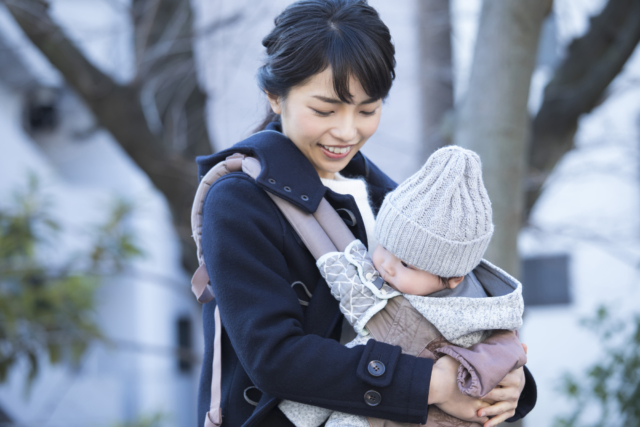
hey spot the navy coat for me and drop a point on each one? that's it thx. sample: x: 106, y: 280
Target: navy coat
x: 273, y: 347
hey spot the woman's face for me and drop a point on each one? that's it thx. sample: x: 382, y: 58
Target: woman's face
x: 328, y: 131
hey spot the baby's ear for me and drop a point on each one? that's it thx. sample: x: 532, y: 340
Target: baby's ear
x: 455, y: 281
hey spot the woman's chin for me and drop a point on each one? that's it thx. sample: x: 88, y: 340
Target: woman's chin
x: 333, y: 166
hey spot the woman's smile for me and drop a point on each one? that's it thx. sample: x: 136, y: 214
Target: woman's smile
x: 336, y: 152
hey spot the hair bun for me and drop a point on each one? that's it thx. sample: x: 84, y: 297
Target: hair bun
x: 267, y: 41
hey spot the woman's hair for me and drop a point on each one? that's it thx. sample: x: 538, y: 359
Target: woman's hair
x: 311, y: 35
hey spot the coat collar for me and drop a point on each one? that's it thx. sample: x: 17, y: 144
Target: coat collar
x: 286, y: 172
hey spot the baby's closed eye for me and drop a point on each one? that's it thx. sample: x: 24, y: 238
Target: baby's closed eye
x: 410, y: 267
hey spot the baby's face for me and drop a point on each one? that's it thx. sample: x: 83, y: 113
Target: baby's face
x: 406, y: 278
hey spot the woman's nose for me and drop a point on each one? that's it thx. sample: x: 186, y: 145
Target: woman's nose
x: 345, y: 130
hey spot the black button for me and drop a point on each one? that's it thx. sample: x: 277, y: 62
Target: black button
x: 376, y: 368
x: 305, y: 197
x: 372, y: 398
x: 287, y: 189
x: 272, y: 181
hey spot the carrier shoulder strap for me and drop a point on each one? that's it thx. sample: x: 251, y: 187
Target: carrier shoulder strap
x: 322, y: 232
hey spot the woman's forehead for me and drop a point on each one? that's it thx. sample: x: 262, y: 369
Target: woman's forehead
x: 321, y: 87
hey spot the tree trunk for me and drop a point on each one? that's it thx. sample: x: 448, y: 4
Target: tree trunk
x: 166, y: 71
x: 578, y: 86
x: 493, y: 120
x: 436, y: 75
x: 163, y: 146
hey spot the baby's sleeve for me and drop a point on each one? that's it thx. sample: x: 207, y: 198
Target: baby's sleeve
x: 355, y: 283
x: 484, y: 365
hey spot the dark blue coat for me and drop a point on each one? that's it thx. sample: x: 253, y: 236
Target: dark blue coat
x: 270, y: 340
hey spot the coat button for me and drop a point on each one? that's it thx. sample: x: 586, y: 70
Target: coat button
x: 376, y: 368
x: 372, y: 398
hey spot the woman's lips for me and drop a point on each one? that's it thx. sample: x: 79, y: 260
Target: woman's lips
x: 336, y: 152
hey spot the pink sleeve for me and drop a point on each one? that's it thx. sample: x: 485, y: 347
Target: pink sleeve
x: 484, y: 365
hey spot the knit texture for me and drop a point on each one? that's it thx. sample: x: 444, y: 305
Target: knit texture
x: 358, y: 189
x: 439, y: 220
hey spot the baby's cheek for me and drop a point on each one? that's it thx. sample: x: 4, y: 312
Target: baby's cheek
x: 376, y: 257
x: 404, y: 285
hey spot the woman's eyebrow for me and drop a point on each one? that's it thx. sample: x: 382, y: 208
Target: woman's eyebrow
x: 337, y: 101
x: 328, y: 100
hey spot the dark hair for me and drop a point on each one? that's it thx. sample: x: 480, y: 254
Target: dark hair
x: 311, y: 35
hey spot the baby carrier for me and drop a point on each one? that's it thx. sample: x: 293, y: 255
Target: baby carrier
x: 322, y: 232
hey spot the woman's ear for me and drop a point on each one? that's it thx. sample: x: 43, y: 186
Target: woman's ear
x: 275, y: 102
x: 455, y: 281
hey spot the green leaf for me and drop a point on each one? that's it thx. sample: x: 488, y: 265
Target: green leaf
x: 612, y: 384
x: 55, y: 353
x: 46, y: 307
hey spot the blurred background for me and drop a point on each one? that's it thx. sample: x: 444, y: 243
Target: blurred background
x: 105, y: 103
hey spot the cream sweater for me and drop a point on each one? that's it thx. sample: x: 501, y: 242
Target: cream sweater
x: 358, y: 189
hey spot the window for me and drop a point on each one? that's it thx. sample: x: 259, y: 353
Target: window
x: 545, y: 280
x: 184, y: 344
x: 41, y: 110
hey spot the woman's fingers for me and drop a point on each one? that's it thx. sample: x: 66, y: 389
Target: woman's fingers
x: 506, y: 396
x: 524, y: 347
x: 464, y: 408
x: 500, y: 394
x: 509, y: 388
x: 498, y: 409
x: 514, y: 378
x: 500, y: 418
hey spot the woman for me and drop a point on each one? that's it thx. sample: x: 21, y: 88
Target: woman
x: 330, y: 63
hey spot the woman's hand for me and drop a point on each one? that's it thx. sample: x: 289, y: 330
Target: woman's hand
x: 444, y: 393
x: 503, y: 398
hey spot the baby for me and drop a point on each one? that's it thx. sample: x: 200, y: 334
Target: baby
x: 427, y: 288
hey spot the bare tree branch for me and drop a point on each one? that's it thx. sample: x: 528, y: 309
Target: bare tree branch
x: 118, y: 109
x: 436, y: 73
x: 219, y: 25
x: 578, y: 86
x: 166, y: 67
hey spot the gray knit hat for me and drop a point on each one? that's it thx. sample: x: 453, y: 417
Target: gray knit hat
x: 439, y: 220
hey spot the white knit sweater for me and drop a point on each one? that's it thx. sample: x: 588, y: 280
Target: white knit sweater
x: 358, y: 189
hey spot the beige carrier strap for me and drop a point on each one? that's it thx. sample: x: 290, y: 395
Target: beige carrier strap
x: 214, y: 416
x: 322, y: 232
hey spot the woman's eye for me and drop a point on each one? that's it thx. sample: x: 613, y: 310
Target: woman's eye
x: 322, y: 113
x: 368, y: 113
x: 405, y: 264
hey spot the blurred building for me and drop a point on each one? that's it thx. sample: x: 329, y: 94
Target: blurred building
x: 581, y: 249
x: 147, y: 313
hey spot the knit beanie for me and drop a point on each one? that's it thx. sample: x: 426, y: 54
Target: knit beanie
x: 439, y: 220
